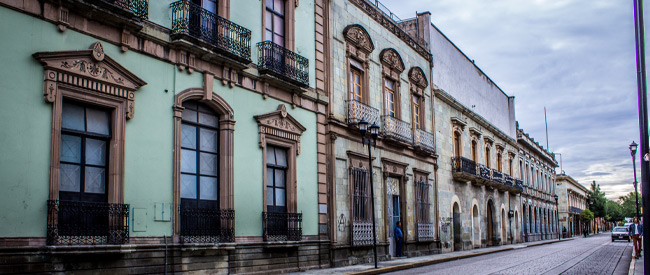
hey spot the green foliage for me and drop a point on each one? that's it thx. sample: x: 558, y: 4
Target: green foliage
x: 586, y: 215
x: 597, y: 201
x: 614, y: 211
x: 628, y: 205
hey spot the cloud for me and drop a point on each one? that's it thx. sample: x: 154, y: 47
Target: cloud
x: 574, y: 57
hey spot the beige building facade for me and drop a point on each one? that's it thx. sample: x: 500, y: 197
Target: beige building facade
x: 572, y: 200
x: 537, y: 170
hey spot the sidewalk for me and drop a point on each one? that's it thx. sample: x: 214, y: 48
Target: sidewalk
x: 406, y: 263
x: 636, y: 266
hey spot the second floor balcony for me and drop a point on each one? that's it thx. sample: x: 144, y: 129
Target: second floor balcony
x: 87, y: 223
x: 396, y: 130
x: 484, y: 172
x: 464, y: 169
x: 282, y: 63
x: 423, y: 141
x: 575, y: 210
x: 207, y: 225
x: 358, y: 111
x: 497, y: 176
x: 519, y: 186
x: 282, y: 226
x: 138, y: 8
x: 195, y: 24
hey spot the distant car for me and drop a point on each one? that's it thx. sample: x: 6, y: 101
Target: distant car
x: 620, y: 233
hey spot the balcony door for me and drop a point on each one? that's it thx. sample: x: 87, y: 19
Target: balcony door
x: 203, y: 21
x: 276, y: 173
x: 274, y: 31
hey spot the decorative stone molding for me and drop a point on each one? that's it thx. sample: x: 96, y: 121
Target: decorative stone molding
x: 279, y: 124
x: 392, y: 62
x: 488, y: 140
x: 358, y: 39
x: 459, y: 122
x: 418, y: 80
x: 475, y: 131
x: 394, y: 168
x: 91, y: 70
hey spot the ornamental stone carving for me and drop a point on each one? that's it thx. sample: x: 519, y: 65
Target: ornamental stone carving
x: 358, y: 37
x: 391, y: 59
x: 91, y: 70
x: 417, y: 77
x: 279, y: 124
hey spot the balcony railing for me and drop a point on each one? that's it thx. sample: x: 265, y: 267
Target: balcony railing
x: 207, y: 225
x: 282, y: 226
x: 423, y: 141
x: 497, y: 176
x: 463, y: 165
x: 361, y: 233
x: 87, y: 223
x: 509, y: 181
x: 575, y: 210
x: 139, y: 8
x: 484, y: 172
x: 283, y: 63
x: 397, y: 129
x: 425, y: 232
x: 519, y: 185
x: 358, y: 111
x: 191, y: 20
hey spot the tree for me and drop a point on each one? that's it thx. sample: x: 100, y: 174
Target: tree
x: 586, y: 215
x: 614, y: 211
x: 628, y: 205
x: 597, y: 201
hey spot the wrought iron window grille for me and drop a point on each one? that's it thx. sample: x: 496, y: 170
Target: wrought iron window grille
x: 207, y: 225
x: 87, y: 223
x: 282, y: 226
x: 194, y: 21
x: 283, y: 62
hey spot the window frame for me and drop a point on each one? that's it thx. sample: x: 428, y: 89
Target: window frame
x: 363, y: 78
x: 357, y: 50
x: 289, y: 26
x: 286, y: 170
x: 396, y: 102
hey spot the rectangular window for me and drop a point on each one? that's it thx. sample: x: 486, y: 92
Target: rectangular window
x: 360, y: 195
x: 416, y: 111
x: 85, y: 135
x: 276, y: 174
x: 274, y: 21
x: 356, y: 84
x: 389, y: 87
x: 422, y: 201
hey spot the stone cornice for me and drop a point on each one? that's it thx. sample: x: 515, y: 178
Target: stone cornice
x: 392, y: 26
x: 524, y: 139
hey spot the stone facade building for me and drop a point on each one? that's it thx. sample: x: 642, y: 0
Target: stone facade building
x: 537, y: 169
x: 162, y: 136
x: 572, y: 200
x: 379, y: 74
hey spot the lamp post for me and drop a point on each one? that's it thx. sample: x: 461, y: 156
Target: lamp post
x: 633, y: 148
x: 557, y: 212
x: 374, y: 133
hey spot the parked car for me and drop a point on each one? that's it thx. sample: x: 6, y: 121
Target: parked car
x: 620, y: 233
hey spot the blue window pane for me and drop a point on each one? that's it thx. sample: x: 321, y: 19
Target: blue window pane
x: 209, y: 188
x: 95, y: 180
x: 188, y: 186
x: 70, y: 148
x: 70, y: 177
x: 280, y: 197
x: 72, y: 117
x: 188, y: 161
x: 97, y: 121
x: 208, y: 164
x: 209, y: 140
x: 95, y: 152
x: 188, y: 136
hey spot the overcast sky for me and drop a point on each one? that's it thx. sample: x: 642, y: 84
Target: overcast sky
x: 576, y: 57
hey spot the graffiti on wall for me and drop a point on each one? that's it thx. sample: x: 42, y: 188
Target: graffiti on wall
x: 341, y: 223
x: 445, y: 224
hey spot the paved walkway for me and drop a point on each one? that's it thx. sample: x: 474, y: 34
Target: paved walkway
x: 636, y: 266
x: 406, y: 263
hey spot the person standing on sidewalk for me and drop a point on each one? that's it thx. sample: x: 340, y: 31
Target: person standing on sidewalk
x: 398, y: 239
x: 636, y: 232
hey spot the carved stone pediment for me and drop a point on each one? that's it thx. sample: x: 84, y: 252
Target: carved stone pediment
x: 89, y: 69
x: 392, y: 59
x: 417, y: 77
x: 280, y: 124
x: 394, y: 168
x: 358, y: 36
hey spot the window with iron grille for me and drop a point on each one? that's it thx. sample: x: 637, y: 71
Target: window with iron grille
x: 361, y: 195
x: 422, y: 201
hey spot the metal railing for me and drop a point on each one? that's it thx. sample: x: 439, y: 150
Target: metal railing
x: 509, y: 181
x: 423, y: 140
x: 397, y: 129
x: 497, y: 176
x: 465, y: 165
x: 361, y: 233
x: 139, y: 8
x: 192, y: 20
x: 282, y: 226
x: 484, y: 172
x: 575, y: 210
x: 358, y: 111
x: 283, y: 62
x: 207, y: 225
x: 384, y: 9
x: 425, y: 232
x: 519, y: 184
x: 87, y: 223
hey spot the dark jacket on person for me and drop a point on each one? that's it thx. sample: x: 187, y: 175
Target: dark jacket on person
x: 398, y: 233
x: 630, y: 229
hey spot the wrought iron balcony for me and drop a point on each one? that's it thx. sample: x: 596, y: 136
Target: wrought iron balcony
x: 282, y: 226
x: 207, y: 225
x: 463, y: 168
x: 139, y: 8
x: 575, y: 210
x: 519, y: 185
x: 423, y: 141
x: 509, y: 181
x: 87, y: 223
x: 358, y: 111
x: 361, y: 233
x: 191, y: 21
x: 425, y: 232
x: 497, y: 176
x: 484, y: 172
x: 283, y: 63
x: 395, y: 129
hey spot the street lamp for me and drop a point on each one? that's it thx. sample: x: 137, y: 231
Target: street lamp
x: 557, y: 212
x: 374, y: 133
x: 633, y: 147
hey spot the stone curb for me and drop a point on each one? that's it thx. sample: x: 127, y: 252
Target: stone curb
x: 436, y: 261
x: 630, y: 271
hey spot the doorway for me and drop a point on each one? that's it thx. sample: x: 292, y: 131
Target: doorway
x: 490, y: 224
x: 458, y: 243
x: 504, y: 234
x: 476, y: 227
x: 394, y: 212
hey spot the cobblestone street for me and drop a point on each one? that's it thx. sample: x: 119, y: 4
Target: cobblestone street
x: 593, y: 255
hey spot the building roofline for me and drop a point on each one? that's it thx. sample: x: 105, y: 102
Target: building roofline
x: 571, y: 180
